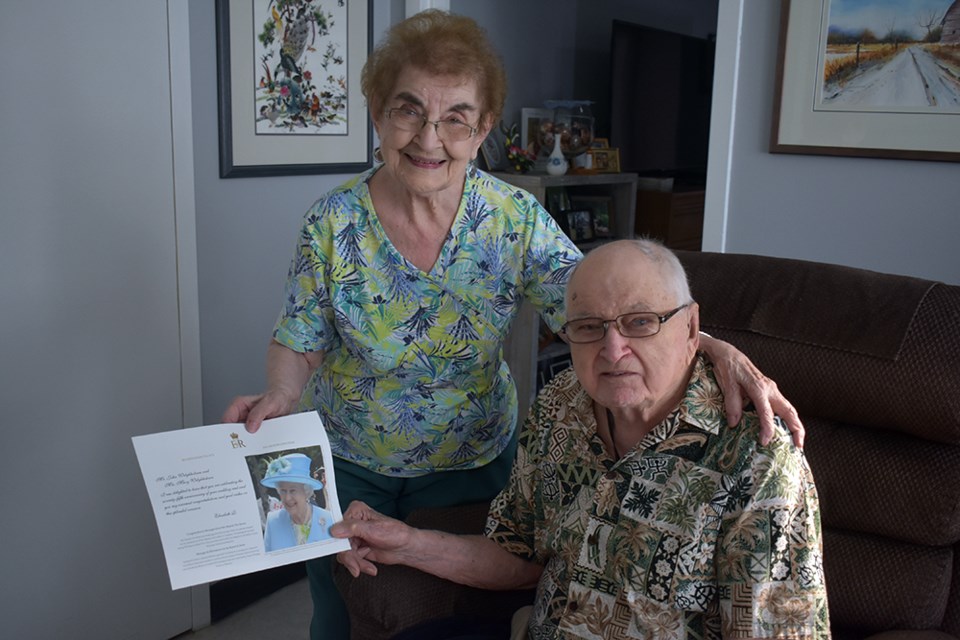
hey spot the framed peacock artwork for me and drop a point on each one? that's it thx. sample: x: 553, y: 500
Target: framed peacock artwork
x: 288, y: 80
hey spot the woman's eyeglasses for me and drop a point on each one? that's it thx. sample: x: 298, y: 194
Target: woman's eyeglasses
x: 449, y: 130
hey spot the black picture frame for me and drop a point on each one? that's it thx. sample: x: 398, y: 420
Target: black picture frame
x: 579, y: 224
x: 246, y: 152
x: 601, y: 208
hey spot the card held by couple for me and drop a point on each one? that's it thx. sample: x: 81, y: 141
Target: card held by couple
x: 228, y: 502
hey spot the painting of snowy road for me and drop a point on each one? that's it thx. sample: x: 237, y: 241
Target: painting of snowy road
x: 869, y: 78
x: 896, y: 56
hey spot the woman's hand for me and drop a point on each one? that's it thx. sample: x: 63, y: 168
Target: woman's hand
x: 739, y: 377
x: 253, y: 410
x: 287, y: 374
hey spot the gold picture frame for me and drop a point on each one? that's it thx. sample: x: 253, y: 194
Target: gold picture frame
x: 605, y: 160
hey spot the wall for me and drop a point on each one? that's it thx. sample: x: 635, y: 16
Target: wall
x: 537, y: 42
x: 561, y: 49
x: 90, y: 316
x: 893, y: 216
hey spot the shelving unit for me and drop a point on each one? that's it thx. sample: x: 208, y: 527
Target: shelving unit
x: 622, y: 187
x: 522, y: 348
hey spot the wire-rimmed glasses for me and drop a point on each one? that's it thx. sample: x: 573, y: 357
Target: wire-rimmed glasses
x: 641, y: 324
x: 450, y: 129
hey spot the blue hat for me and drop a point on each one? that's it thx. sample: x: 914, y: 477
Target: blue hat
x: 293, y: 467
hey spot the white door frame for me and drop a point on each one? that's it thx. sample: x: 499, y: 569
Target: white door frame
x: 722, y: 124
x: 181, y: 108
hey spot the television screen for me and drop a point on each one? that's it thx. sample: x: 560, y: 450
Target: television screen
x: 661, y: 86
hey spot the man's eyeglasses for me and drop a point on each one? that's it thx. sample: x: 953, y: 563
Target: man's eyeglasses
x: 449, y: 130
x: 642, y: 324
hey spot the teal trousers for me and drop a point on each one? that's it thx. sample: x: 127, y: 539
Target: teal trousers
x: 394, y: 497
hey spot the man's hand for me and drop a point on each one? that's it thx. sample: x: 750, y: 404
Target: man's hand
x: 373, y: 538
x: 472, y: 560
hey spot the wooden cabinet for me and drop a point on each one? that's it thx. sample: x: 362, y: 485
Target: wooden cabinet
x: 675, y: 217
x: 522, y: 348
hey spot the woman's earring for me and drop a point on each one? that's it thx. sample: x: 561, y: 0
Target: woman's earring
x: 377, y: 155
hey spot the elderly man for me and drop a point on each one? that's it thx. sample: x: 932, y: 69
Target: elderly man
x: 631, y: 506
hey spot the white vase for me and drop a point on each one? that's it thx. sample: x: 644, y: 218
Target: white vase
x: 556, y: 164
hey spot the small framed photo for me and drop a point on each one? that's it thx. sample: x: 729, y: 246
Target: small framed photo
x: 606, y: 160
x: 600, y: 143
x: 549, y: 367
x: 600, y: 209
x: 533, y: 122
x: 579, y: 224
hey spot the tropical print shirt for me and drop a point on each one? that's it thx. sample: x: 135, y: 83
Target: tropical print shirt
x: 698, y: 532
x: 413, y: 378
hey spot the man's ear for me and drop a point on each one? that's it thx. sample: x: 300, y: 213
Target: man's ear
x: 693, y: 324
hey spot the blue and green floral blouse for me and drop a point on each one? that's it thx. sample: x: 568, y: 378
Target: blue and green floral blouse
x: 413, y: 378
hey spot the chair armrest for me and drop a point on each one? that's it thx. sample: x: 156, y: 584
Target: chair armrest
x: 400, y: 597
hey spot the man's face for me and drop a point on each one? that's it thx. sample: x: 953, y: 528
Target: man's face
x: 647, y: 374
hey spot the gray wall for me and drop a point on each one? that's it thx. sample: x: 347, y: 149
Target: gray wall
x: 893, y: 216
x: 537, y: 44
x: 560, y: 49
x: 89, y: 317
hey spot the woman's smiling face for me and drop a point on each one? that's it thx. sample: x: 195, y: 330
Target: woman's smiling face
x: 293, y: 496
x: 420, y: 160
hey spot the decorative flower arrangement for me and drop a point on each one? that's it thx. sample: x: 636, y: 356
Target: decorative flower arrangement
x: 520, y: 159
x: 279, y: 466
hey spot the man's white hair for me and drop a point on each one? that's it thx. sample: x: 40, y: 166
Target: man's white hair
x: 675, y: 277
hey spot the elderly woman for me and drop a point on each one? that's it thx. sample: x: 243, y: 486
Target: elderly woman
x: 402, y: 289
x: 300, y: 521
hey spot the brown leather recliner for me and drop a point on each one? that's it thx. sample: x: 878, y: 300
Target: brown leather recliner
x: 872, y: 363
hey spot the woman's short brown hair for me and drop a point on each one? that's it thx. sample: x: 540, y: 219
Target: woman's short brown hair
x: 439, y: 43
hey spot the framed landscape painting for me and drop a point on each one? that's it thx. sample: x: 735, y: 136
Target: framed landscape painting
x: 872, y: 78
x: 288, y: 76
